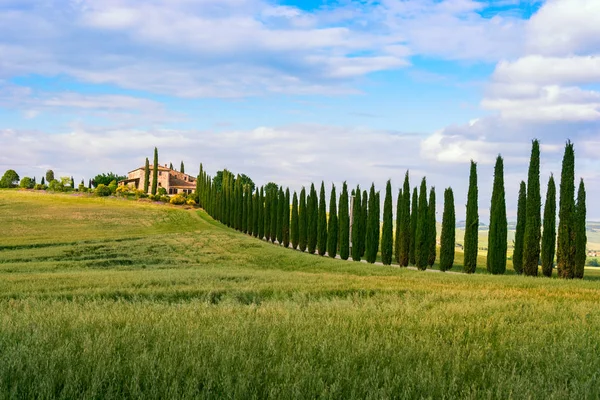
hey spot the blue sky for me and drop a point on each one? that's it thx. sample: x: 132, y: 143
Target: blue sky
x: 301, y: 91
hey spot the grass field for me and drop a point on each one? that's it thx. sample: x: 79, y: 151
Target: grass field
x: 108, y: 298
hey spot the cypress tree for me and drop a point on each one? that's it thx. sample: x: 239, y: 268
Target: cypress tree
x: 182, y: 169
x: 294, y: 227
x: 580, y: 233
x: 378, y: 214
x: 549, y: 231
x: 245, y: 209
x: 275, y: 216
x: 332, y: 225
x: 43, y: 182
x: 472, y: 223
x: 431, y: 229
x: 260, y: 222
x: 363, y: 222
x: 146, y: 176
x: 422, y: 237
x: 387, y: 240
x: 398, y: 235
x: 565, y: 253
x: 267, y: 213
x: 496, y: 259
x: 372, y: 234
x: 170, y: 165
x: 414, y: 219
x: 531, y: 247
x: 280, y: 215
x: 356, y: 225
x: 313, y: 219
x: 344, y: 222
x: 302, y: 222
x: 448, y: 236
x: 72, y: 183
x: 155, y: 172
x: 322, y: 225
x: 286, y: 219
x: 405, y: 231
x: 520, y: 229
x: 250, y: 211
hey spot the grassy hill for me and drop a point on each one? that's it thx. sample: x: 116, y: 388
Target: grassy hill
x: 107, y: 298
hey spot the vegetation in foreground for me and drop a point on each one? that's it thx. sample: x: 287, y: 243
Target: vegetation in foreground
x: 106, y: 298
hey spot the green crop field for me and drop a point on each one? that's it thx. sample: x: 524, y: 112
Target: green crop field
x: 109, y: 298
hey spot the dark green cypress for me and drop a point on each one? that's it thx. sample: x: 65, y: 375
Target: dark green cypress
x: 565, y: 252
x: 405, y: 223
x: 580, y: 233
x: 549, y: 231
x: 313, y: 219
x: 260, y: 222
x: 414, y: 219
x: 421, y: 241
x: 387, y: 233
x: 356, y: 225
x: 498, y: 230
x: 249, y: 211
x: 146, y: 176
x: 294, y: 227
x: 275, y: 216
x: 431, y: 229
x: 280, y: 215
x: 344, y: 222
x: 448, y: 236
x: 285, y: 226
x: 267, y: 213
x: 302, y: 221
x: 182, y: 168
x: 471, y: 224
x: 170, y: 165
x: 363, y: 222
x: 397, y: 234
x: 531, y: 247
x: 322, y: 222
x: 520, y: 229
x: 245, y: 209
x: 372, y: 234
x: 332, y: 225
x: 155, y: 172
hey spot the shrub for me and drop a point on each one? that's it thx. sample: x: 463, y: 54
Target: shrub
x: 26, y: 183
x: 164, y: 199
x: 177, y: 200
x: 161, y: 191
x: 103, y: 190
x: 122, y: 190
x: 594, y: 262
x: 39, y: 186
x: 56, y: 186
x: 191, y: 202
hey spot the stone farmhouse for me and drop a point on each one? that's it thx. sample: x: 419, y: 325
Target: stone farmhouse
x: 174, y: 182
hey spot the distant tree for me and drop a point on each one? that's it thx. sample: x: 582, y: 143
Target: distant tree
x: 371, y: 245
x: 580, y: 233
x: 302, y: 222
x: 498, y: 229
x: 49, y: 176
x: 256, y: 216
x: 155, y: 172
x: 26, y: 183
x: 267, y: 213
x: 344, y: 224
x: 414, y: 219
x: 294, y: 226
x: 286, y: 219
x: 104, y: 179
x: 448, y: 236
x: 274, y: 215
x: 431, y: 229
x: 405, y: 228
x: 422, y: 238
x: 363, y: 223
x: 246, y: 181
x: 249, y: 211
x: 280, y: 215
x: 322, y: 222
x: 520, y: 229
x: 9, y: 179
x: 245, y: 209
x: 182, y: 168
x: 43, y: 182
x: 356, y: 225
x: 271, y: 186
x: 89, y: 183
x: 531, y: 248
x: 72, y: 183
x: 398, y: 234
x: 261, y: 214
x: 387, y: 233
x: 565, y: 252
x: 170, y: 165
x: 549, y: 231
x: 313, y: 221
x: 332, y: 225
x: 472, y: 224
x: 146, y: 175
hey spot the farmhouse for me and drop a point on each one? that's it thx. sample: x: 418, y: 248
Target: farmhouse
x: 174, y: 182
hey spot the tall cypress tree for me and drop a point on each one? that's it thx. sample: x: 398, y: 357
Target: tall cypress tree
x: 448, y: 236
x: 565, y: 253
x: 255, y: 211
x: 332, y: 225
x: 549, y: 231
x: 182, y: 168
x: 313, y: 220
x: 496, y: 259
x: 580, y: 233
x: 245, y: 209
x: 294, y: 227
x: 520, y: 229
x: 372, y: 234
x: 344, y: 222
x: 146, y: 176
x: 281, y: 215
x: 275, y: 215
x: 531, y: 248
x: 363, y: 222
x: 267, y: 213
x: 302, y: 222
x: 322, y: 225
x: 170, y: 165
x: 398, y: 235
x: 261, y: 214
x: 405, y: 231
x: 472, y: 223
x: 422, y: 238
x: 414, y: 219
x: 356, y: 225
x: 155, y: 172
x: 431, y: 229
x: 249, y: 211
x: 285, y: 226
x: 387, y: 240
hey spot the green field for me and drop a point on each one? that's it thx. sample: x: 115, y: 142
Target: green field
x: 109, y: 298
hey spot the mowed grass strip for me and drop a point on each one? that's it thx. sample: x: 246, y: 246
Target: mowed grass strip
x: 155, y: 311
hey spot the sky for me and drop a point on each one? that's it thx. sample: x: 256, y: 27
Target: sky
x: 296, y: 91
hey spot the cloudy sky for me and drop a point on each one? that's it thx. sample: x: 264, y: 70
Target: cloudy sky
x: 295, y: 91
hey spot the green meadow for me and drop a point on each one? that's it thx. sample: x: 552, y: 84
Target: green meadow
x: 105, y: 298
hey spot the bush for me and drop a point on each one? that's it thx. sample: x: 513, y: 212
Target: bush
x: 122, y: 190
x: 113, y: 187
x: 164, y: 199
x: 39, y: 186
x: 140, y: 194
x: 178, y: 199
x: 56, y: 186
x: 594, y: 262
x: 82, y: 188
x: 161, y: 191
x: 103, y: 190
x: 26, y: 183
x: 191, y: 202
